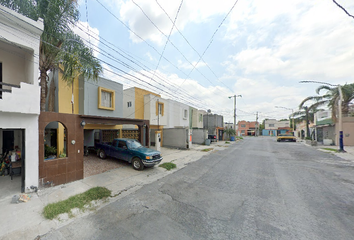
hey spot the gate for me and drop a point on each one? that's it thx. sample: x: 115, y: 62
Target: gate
x: 109, y: 135
x: 132, y: 134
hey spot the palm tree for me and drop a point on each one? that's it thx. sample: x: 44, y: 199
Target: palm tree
x: 230, y: 132
x: 58, y: 16
x: 331, y: 97
x: 305, y: 113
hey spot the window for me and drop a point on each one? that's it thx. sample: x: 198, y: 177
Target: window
x: 200, y: 117
x: 129, y: 104
x: 160, y: 108
x: 242, y: 131
x: 243, y: 125
x: 106, y: 98
x: 122, y: 144
x: 271, y: 125
x: 185, y: 114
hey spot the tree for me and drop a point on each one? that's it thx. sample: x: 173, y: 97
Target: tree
x: 306, y: 114
x: 58, y: 42
x: 230, y: 132
x: 331, y: 97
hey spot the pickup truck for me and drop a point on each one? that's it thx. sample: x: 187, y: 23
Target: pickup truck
x: 131, y: 151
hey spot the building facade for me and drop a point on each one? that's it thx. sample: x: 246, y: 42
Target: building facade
x: 214, y: 124
x: 272, y: 125
x: 20, y: 93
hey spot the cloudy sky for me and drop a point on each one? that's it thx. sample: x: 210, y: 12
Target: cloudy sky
x: 200, y: 52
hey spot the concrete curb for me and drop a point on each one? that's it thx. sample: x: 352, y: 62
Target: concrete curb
x: 25, y: 220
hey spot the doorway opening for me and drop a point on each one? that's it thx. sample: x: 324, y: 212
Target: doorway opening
x: 12, y: 162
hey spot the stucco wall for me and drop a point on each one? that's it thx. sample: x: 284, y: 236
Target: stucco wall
x: 348, y: 132
x: 199, y: 136
x: 175, y: 116
x: 90, y: 106
x: 140, y: 104
x: 28, y: 122
x: 23, y: 32
x: 25, y: 99
x: 175, y: 138
x: 150, y: 110
x: 13, y: 64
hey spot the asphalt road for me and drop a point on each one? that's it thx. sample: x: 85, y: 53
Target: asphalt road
x: 256, y: 189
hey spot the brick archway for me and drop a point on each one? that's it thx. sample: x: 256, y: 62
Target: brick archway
x: 62, y: 170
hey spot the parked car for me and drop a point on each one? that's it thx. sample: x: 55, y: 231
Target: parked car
x: 286, y: 137
x: 212, y: 138
x: 131, y: 151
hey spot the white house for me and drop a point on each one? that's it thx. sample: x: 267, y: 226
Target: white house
x: 177, y: 115
x: 20, y: 92
x: 155, y: 109
x: 196, y: 118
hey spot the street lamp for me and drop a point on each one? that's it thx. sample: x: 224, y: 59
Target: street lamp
x: 235, y: 96
x: 340, y: 120
x: 292, y: 114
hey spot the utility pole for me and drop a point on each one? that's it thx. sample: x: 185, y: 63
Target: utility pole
x: 340, y: 120
x: 235, y: 96
x: 256, y: 133
x: 158, y: 115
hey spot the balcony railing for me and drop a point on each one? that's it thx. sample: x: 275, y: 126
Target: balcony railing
x: 6, y: 90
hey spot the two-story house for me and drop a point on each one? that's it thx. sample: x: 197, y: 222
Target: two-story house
x: 19, y: 96
x: 177, y: 114
x: 246, y: 128
x: 143, y: 104
x: 271, y: 126
x: 78, y: 115
x: 195, y: 118
x: 214, y: 123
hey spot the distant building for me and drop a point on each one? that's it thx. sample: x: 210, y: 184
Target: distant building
x: 214, y: 124
x: 272, y: 125
x: 245, y: 128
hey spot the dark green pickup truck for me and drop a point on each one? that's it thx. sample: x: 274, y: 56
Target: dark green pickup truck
x: 131, y: 151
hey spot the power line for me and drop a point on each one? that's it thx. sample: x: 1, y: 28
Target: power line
x: 168, y: 38
x: 191, y: 45
x: 193, y: 65
x: 130, y: 79
x: 212, y: 37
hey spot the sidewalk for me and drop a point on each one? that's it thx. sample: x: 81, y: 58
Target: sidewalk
x: 347, y: 155
x: 25, y: 220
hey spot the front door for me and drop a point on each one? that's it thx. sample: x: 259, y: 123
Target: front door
x: 220, y: 135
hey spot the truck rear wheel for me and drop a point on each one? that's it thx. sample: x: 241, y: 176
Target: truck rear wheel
x: 137, y: 164
x: 102, y: 154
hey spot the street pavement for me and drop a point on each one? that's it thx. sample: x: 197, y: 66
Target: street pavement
x: 26, y: 221
x: 255, y: 189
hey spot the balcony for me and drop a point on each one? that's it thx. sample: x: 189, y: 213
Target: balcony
x: 23, y: 98
x: 2, y: 89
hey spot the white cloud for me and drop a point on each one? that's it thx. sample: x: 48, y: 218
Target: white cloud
x: 186, y: 65
x: 308, y: 40
x: 191, y: 11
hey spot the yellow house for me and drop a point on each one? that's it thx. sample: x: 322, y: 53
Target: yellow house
x: 84, y: 97
x: 143, y: 104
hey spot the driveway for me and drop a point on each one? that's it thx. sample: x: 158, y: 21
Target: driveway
x: 94, y: 165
